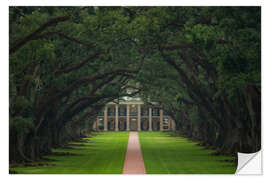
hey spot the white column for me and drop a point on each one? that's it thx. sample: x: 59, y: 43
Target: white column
x: 169, y: 124
x: 97, y: 125
x: 173, y: 125
x: 127, y: 118
x: 150, y: 119
x: 106, y: 118
x: 116, y: 117
x: 161, y: 120
x: 139, y: 117
x: 94, y: 126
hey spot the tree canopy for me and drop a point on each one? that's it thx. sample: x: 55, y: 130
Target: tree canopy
x: 200, y: 64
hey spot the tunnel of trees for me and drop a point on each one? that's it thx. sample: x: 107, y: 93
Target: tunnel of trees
x: 202, y: 65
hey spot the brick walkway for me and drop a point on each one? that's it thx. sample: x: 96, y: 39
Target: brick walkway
x: 134, y: 163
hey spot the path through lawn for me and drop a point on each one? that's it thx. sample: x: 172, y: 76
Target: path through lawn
x: 164, y: 154
x: 103, y: 154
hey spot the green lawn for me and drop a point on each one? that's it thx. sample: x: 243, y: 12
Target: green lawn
x: 165, y: 154
x: 103, y: 154
x: 162, y: 153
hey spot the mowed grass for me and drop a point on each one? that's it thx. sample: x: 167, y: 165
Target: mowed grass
x: 102, y: 154
x: 165, y: 154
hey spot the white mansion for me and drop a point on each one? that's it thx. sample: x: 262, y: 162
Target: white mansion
x: 132, y: 115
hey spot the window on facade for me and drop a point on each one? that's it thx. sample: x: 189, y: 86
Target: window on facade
x: 122, y: 111
x: 155, y: 112
x: 165, y: 123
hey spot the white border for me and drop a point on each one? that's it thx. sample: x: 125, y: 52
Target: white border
x: 4, y: 78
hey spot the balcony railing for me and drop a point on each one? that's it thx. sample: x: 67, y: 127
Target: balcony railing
x: 133, y: 113
x: 111, y: 113
x: 122, y: 114
x: 101, y: 113
x: 143, y: 113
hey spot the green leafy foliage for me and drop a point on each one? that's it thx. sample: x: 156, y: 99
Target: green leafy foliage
x: 20, y: 125
x: 197, y: 63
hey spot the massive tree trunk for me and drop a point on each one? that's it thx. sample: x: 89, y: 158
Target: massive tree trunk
x: 253, y: 103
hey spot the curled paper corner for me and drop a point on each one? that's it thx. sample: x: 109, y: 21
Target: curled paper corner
x: 249, y: 163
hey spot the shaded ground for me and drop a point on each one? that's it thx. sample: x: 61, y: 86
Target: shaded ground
x: 164, y: 154
x: 102, y: 154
